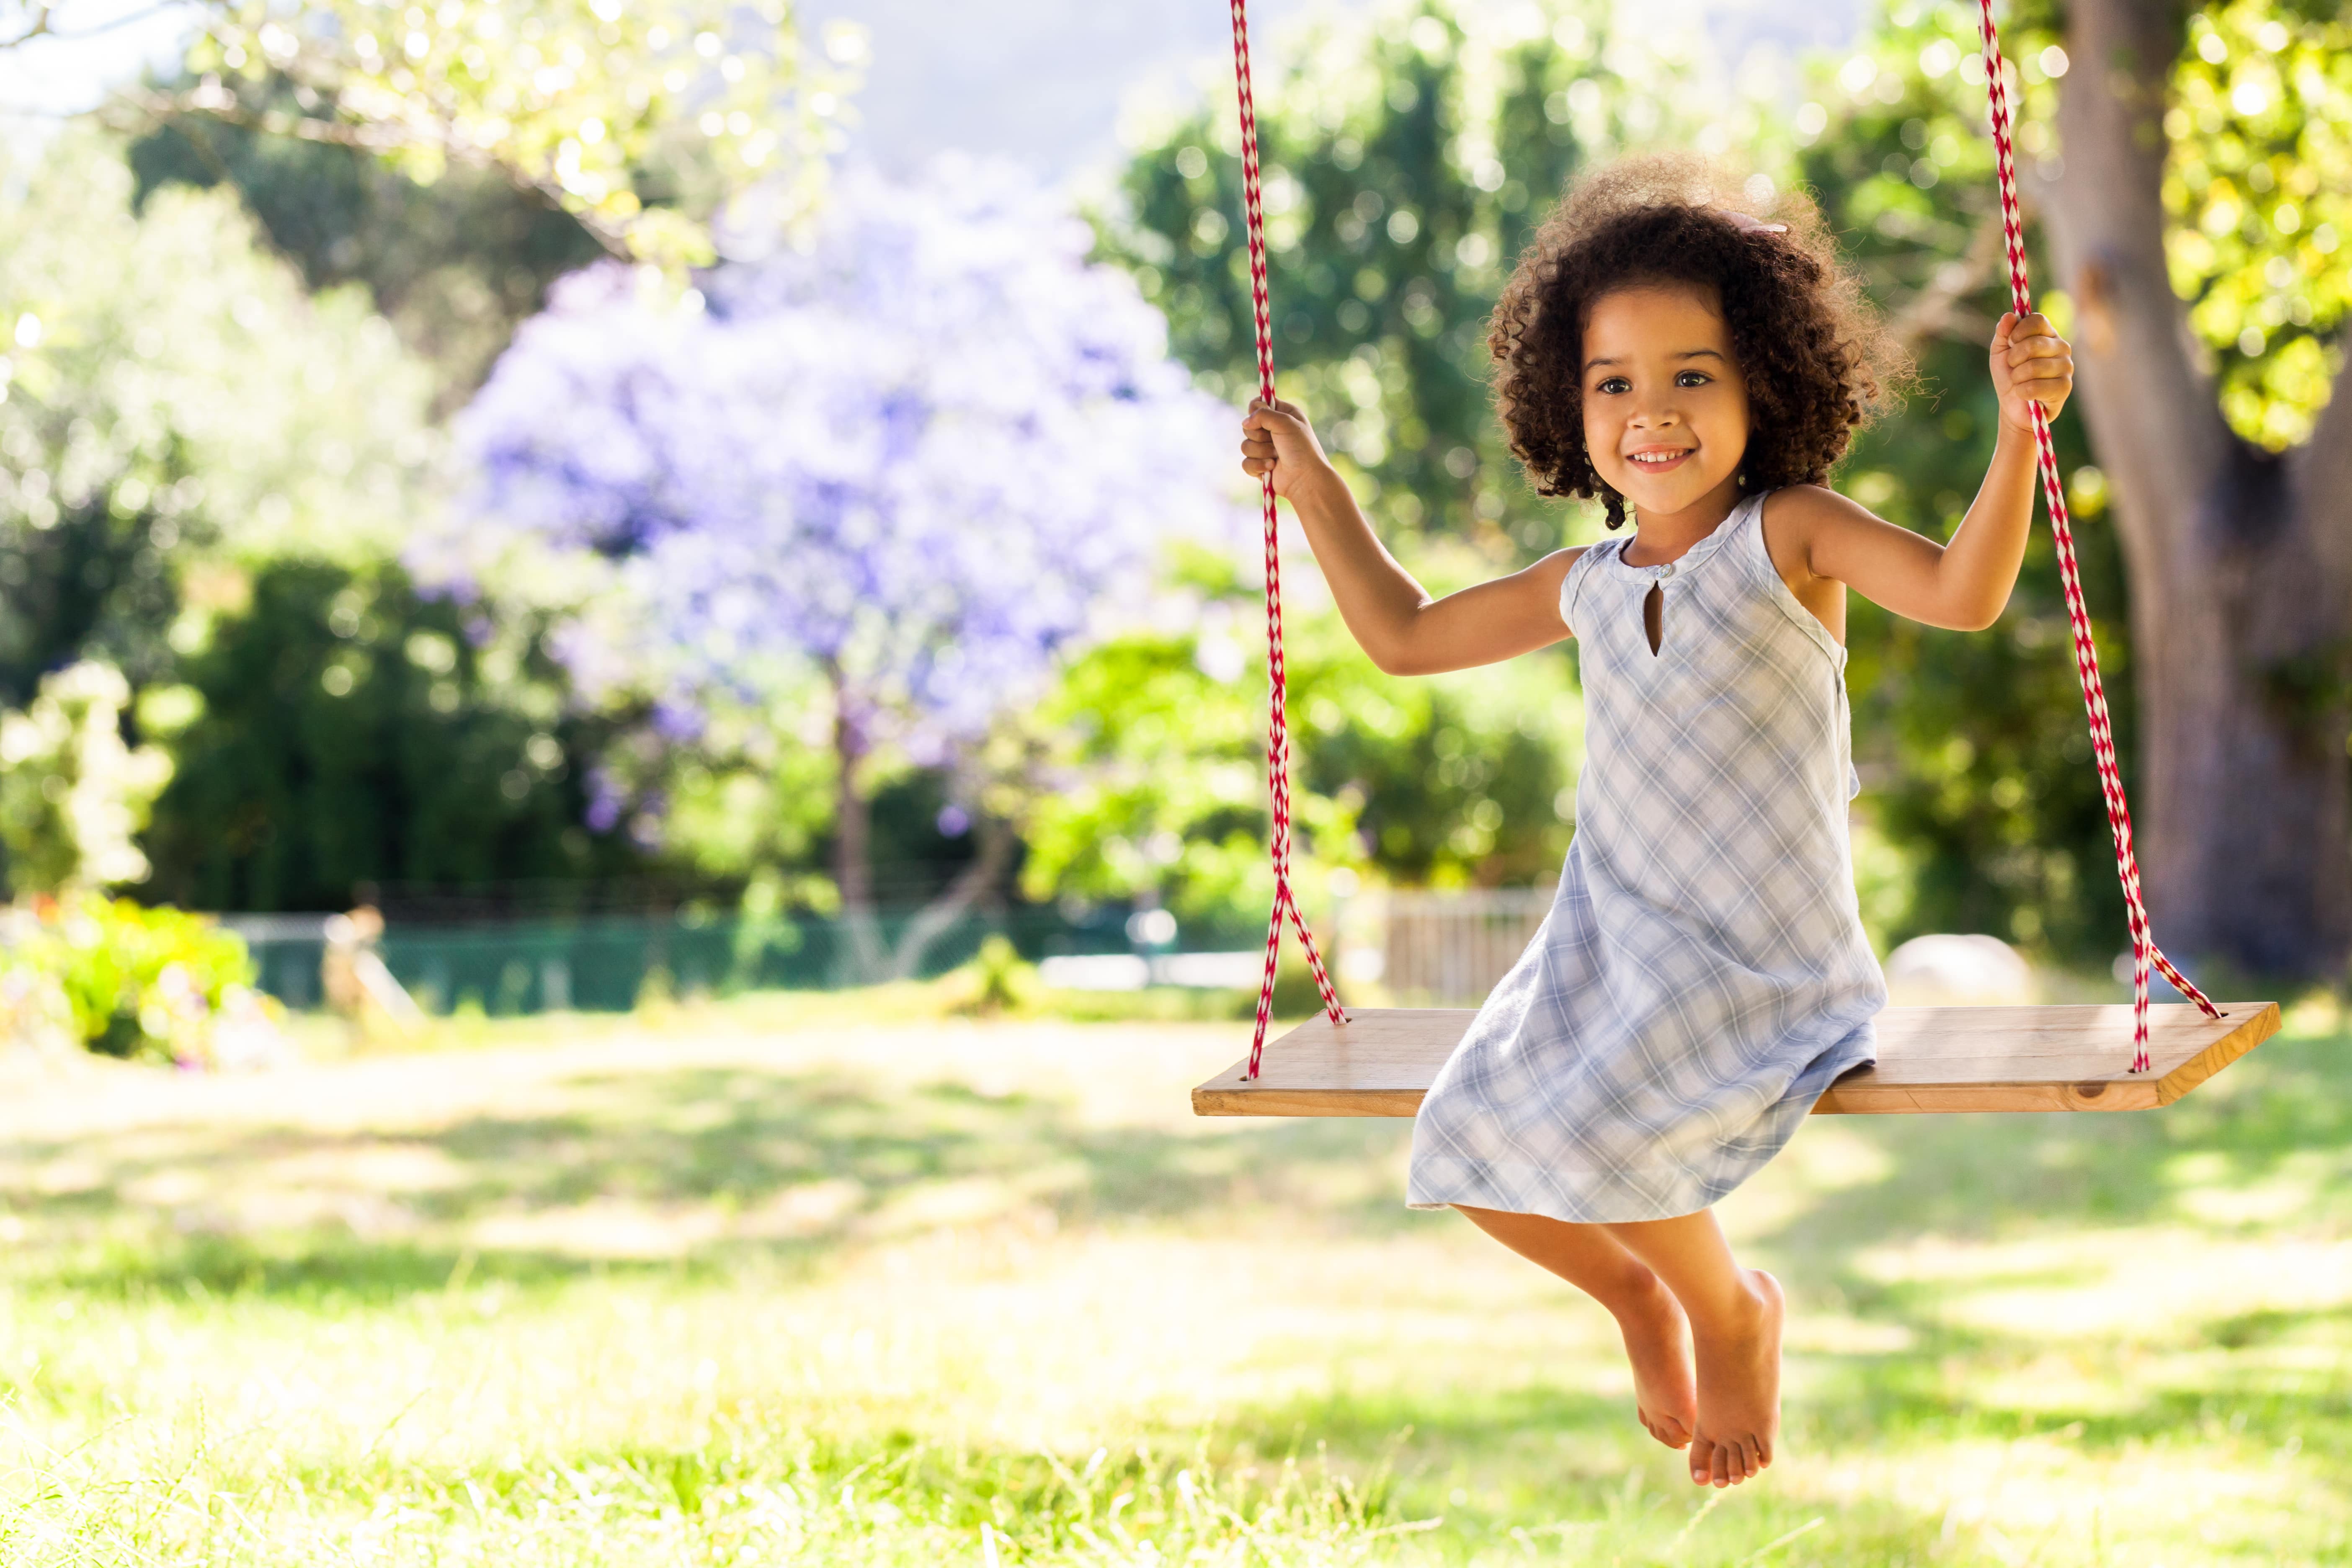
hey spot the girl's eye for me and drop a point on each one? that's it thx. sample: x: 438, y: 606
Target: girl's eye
x: 1614, y: 384
x: 1692, y: 378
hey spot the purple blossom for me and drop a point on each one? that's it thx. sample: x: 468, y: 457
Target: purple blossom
x: 923, y: 452
x: 606, y: 799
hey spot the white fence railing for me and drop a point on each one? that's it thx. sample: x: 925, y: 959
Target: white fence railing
x: 1441, y: 949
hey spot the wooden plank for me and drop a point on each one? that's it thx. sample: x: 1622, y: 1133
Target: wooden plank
x: 1931, y: 1060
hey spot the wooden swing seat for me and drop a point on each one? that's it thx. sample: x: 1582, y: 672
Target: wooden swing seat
x: 1930, y: 1059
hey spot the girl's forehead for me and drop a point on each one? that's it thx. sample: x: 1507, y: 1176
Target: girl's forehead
x: 1639, y: 314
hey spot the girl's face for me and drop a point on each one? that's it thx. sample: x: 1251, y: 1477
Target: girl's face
x: 1665, y: 408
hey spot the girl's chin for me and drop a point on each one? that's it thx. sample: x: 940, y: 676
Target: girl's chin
x: 1679, y: 487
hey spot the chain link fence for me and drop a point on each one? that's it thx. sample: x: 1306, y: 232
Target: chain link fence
x: 1418, y: 947
x: 608, y: 962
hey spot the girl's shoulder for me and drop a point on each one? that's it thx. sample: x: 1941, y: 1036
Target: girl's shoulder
x: 1574, y: 565
x: 1792, y: 517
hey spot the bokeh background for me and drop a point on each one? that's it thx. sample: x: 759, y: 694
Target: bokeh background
x: 631, y: 778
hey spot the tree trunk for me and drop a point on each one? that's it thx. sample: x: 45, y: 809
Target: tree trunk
x: 2241, y: 584
x: 972, y: 884
x: 853, y: 871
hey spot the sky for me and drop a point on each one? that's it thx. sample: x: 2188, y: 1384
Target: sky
x: 1044, y: 81
x: 1040, y: 81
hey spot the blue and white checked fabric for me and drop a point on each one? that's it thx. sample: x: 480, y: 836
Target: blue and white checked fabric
x: 1702, y: 975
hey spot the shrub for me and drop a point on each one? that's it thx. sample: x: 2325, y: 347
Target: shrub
x: 132, y: 981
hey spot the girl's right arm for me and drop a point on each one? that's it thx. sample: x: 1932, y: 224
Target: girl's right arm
x: 1399, y: 626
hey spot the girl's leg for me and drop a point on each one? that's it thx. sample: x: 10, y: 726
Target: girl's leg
x: 1735, y: 1316
x: 1589, y: 1258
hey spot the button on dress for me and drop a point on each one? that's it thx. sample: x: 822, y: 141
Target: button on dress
x: 1702, y: 975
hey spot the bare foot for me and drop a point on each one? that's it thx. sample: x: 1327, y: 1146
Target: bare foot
x: 1657, y: 1344
x: 1738, y: 1386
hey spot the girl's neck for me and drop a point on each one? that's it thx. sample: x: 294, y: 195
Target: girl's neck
x: 1660, y: 537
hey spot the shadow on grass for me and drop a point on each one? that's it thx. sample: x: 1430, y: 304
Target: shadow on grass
x: 693, y: 1171
x: 1983, y: 1175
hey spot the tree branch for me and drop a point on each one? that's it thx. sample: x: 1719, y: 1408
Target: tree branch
x: 378, y: 138
x: 1935, y: 310
x: 970, y: 885
x: 38, y: 28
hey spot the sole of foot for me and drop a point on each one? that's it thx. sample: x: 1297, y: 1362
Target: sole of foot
x: 1739, y: 1388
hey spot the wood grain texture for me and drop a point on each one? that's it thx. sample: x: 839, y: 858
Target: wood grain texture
x: 1931, y: 1060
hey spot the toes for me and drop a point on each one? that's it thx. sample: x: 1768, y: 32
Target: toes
x: 1711, y: 1464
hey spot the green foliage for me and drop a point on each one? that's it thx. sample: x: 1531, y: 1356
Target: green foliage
x: 2259, y: 187
x: 1162, y: 785
x: 71, y: 794
x: 997, y: 979
x: 572, y: 98
x: 1406, y: 163
x: 167, y: 391
x: 340, y: 729
x: 455, y: 264
x: 753, y: 796
x: 139, y: 982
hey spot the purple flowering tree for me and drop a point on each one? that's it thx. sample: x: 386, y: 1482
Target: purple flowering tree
x: 924, y: 449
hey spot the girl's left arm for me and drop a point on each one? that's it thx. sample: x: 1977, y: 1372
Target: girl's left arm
x: 1965, y: 584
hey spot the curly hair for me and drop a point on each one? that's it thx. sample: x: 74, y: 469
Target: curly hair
x: 1817, y: 359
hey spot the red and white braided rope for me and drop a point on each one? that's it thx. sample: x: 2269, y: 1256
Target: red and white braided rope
x: 1277, y: 730
x: 2087, y: 657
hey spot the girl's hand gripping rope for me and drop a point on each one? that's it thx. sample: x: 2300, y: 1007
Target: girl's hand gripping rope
x: 2030, y: 363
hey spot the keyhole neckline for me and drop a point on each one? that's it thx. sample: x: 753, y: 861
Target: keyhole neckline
x: 1701, y: 551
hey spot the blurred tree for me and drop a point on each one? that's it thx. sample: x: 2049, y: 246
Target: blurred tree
x: 572, y: 98
x: 917, y: 456
x: 455, y: 264
x: 169, y: 394
x: 1405, y: 161
x: 335, y: 729
x: 2200, y: 188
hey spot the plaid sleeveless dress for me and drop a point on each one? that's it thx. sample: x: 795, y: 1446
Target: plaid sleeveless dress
x: 1702, y: 975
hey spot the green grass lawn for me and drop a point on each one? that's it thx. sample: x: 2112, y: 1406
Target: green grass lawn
x: 751, y: 1284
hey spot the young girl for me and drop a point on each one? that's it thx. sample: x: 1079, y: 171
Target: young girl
x: 1702, y: 975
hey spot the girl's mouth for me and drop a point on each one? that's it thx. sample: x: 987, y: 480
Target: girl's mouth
x: 1659, y: 459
